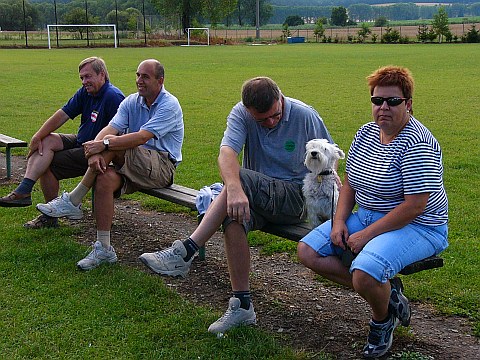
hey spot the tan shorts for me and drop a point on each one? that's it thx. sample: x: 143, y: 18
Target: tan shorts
x: 145, y: 169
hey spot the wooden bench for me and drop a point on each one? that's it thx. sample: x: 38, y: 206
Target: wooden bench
x: 10, y: 142
x: 186, y: 197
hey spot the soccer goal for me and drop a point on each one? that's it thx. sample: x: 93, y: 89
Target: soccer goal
x: 191, y: 31
x: 113, y: 26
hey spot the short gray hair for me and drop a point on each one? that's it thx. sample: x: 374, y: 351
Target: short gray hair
x: 98, y: 65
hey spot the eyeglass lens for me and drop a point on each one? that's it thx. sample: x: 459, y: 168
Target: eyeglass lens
x: 391, y: 101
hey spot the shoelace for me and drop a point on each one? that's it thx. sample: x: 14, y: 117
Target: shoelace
x: 163, y: 254
x: 228, y: 314
x: 374, y: 337
x: 91, y: 252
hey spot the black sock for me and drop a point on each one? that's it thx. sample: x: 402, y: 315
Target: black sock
x: 191, y: 247
x: 244, y: 297
x: 25, y: 187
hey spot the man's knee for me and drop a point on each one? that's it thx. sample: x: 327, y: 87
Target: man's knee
x: 108, y: 181
x: 52, y: 142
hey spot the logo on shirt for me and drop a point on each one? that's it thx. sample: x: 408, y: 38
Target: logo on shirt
x: 94, y: 115
x: 289, y: 145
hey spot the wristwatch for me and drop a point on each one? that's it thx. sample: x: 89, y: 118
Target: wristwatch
x: 106, y: 142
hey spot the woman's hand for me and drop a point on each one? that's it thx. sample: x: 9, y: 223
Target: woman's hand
x: 339, y: 234
x: 357, y: 241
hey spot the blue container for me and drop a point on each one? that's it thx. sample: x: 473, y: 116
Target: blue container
x: 295, y: 39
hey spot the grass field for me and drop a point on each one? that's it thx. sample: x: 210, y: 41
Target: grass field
x: 50, y: 309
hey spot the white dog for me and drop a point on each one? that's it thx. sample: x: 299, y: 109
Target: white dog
x: 320, y: 188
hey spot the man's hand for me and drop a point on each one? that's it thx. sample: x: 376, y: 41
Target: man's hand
x: 238, y: 207
x: 97, y: 164
x: 35, y: 145
x: 93, y: 147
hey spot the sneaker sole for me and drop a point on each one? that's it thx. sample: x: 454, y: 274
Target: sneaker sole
x: 71, y: 217
x: 17, y: 204
x: 96, y: 266
x: 43, y: 226
x: 398, y: 283
x: 172, y: 273
x: 244, y: 323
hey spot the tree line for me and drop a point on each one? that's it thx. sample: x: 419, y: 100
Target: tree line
x: 175, y: 14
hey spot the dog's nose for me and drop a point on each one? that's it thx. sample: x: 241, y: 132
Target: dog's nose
x: 314, y: 153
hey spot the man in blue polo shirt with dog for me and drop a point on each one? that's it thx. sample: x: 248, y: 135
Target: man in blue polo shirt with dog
x: 53, y: 156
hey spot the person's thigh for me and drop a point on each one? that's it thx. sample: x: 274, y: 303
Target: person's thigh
x: 145, y: 169
x: 388, y: 253
x: 69, y: 162
x: 271, y: 200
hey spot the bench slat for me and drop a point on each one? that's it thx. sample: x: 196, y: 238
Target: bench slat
x: 9, y: 141
x: 184, y: 196
x: 174, y: 196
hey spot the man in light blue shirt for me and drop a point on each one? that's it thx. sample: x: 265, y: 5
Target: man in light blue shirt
x: 143, y: 141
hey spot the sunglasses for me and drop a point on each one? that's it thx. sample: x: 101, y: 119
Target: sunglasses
x: 391, y: 101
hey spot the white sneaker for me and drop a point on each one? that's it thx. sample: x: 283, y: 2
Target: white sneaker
x: 234, y: 316
x: 169, y: 261
x: 61, y: 207
x: 97, y: 256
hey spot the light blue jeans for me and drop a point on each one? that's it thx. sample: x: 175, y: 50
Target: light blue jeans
x: 386, y: 254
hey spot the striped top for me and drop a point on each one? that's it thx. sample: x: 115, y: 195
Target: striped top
x: 411, y: 164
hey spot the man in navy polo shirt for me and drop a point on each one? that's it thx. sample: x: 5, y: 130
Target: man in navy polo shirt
x: 54, y: 156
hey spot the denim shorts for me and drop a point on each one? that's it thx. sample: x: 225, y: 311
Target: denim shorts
x: 386, y: 254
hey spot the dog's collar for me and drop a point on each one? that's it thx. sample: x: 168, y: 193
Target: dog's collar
x: 324, y: 173
x: 327, y: 172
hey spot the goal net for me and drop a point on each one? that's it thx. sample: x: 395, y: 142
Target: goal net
x: 102, y: 33
x: 198, y: 37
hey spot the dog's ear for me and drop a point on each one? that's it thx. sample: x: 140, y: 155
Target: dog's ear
x: 340, y: 153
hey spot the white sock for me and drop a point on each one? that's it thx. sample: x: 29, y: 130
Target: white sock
x: 104, y: 237
x: 78, y: 194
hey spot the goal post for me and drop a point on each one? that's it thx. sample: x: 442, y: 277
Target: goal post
x: 83, y: 25
x: 198, y: 28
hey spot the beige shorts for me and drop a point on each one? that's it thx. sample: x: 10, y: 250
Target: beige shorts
x: 145, y: 169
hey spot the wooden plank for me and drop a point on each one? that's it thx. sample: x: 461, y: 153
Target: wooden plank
x: 182, y: 195
x: 9, y: 141
x: 173, y: 195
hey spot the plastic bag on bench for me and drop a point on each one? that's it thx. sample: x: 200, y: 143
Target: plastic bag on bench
x: 205, y: 197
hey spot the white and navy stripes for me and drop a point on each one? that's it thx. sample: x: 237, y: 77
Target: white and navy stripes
x: 411, y: 164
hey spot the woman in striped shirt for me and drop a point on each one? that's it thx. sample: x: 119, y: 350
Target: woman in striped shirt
x: 394, y: 175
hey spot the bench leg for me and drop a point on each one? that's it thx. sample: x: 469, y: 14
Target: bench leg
x: 9, y: 165
x: 201, y: 253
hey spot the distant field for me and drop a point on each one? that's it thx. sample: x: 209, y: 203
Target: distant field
x: 218, y: 36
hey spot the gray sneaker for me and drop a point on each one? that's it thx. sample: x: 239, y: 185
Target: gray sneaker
x: 97, y: 256
x: 234, y: 316
x: 398, y: 304
x: 380, y: 338
x: 169, y: 261
x: 61, y: 207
